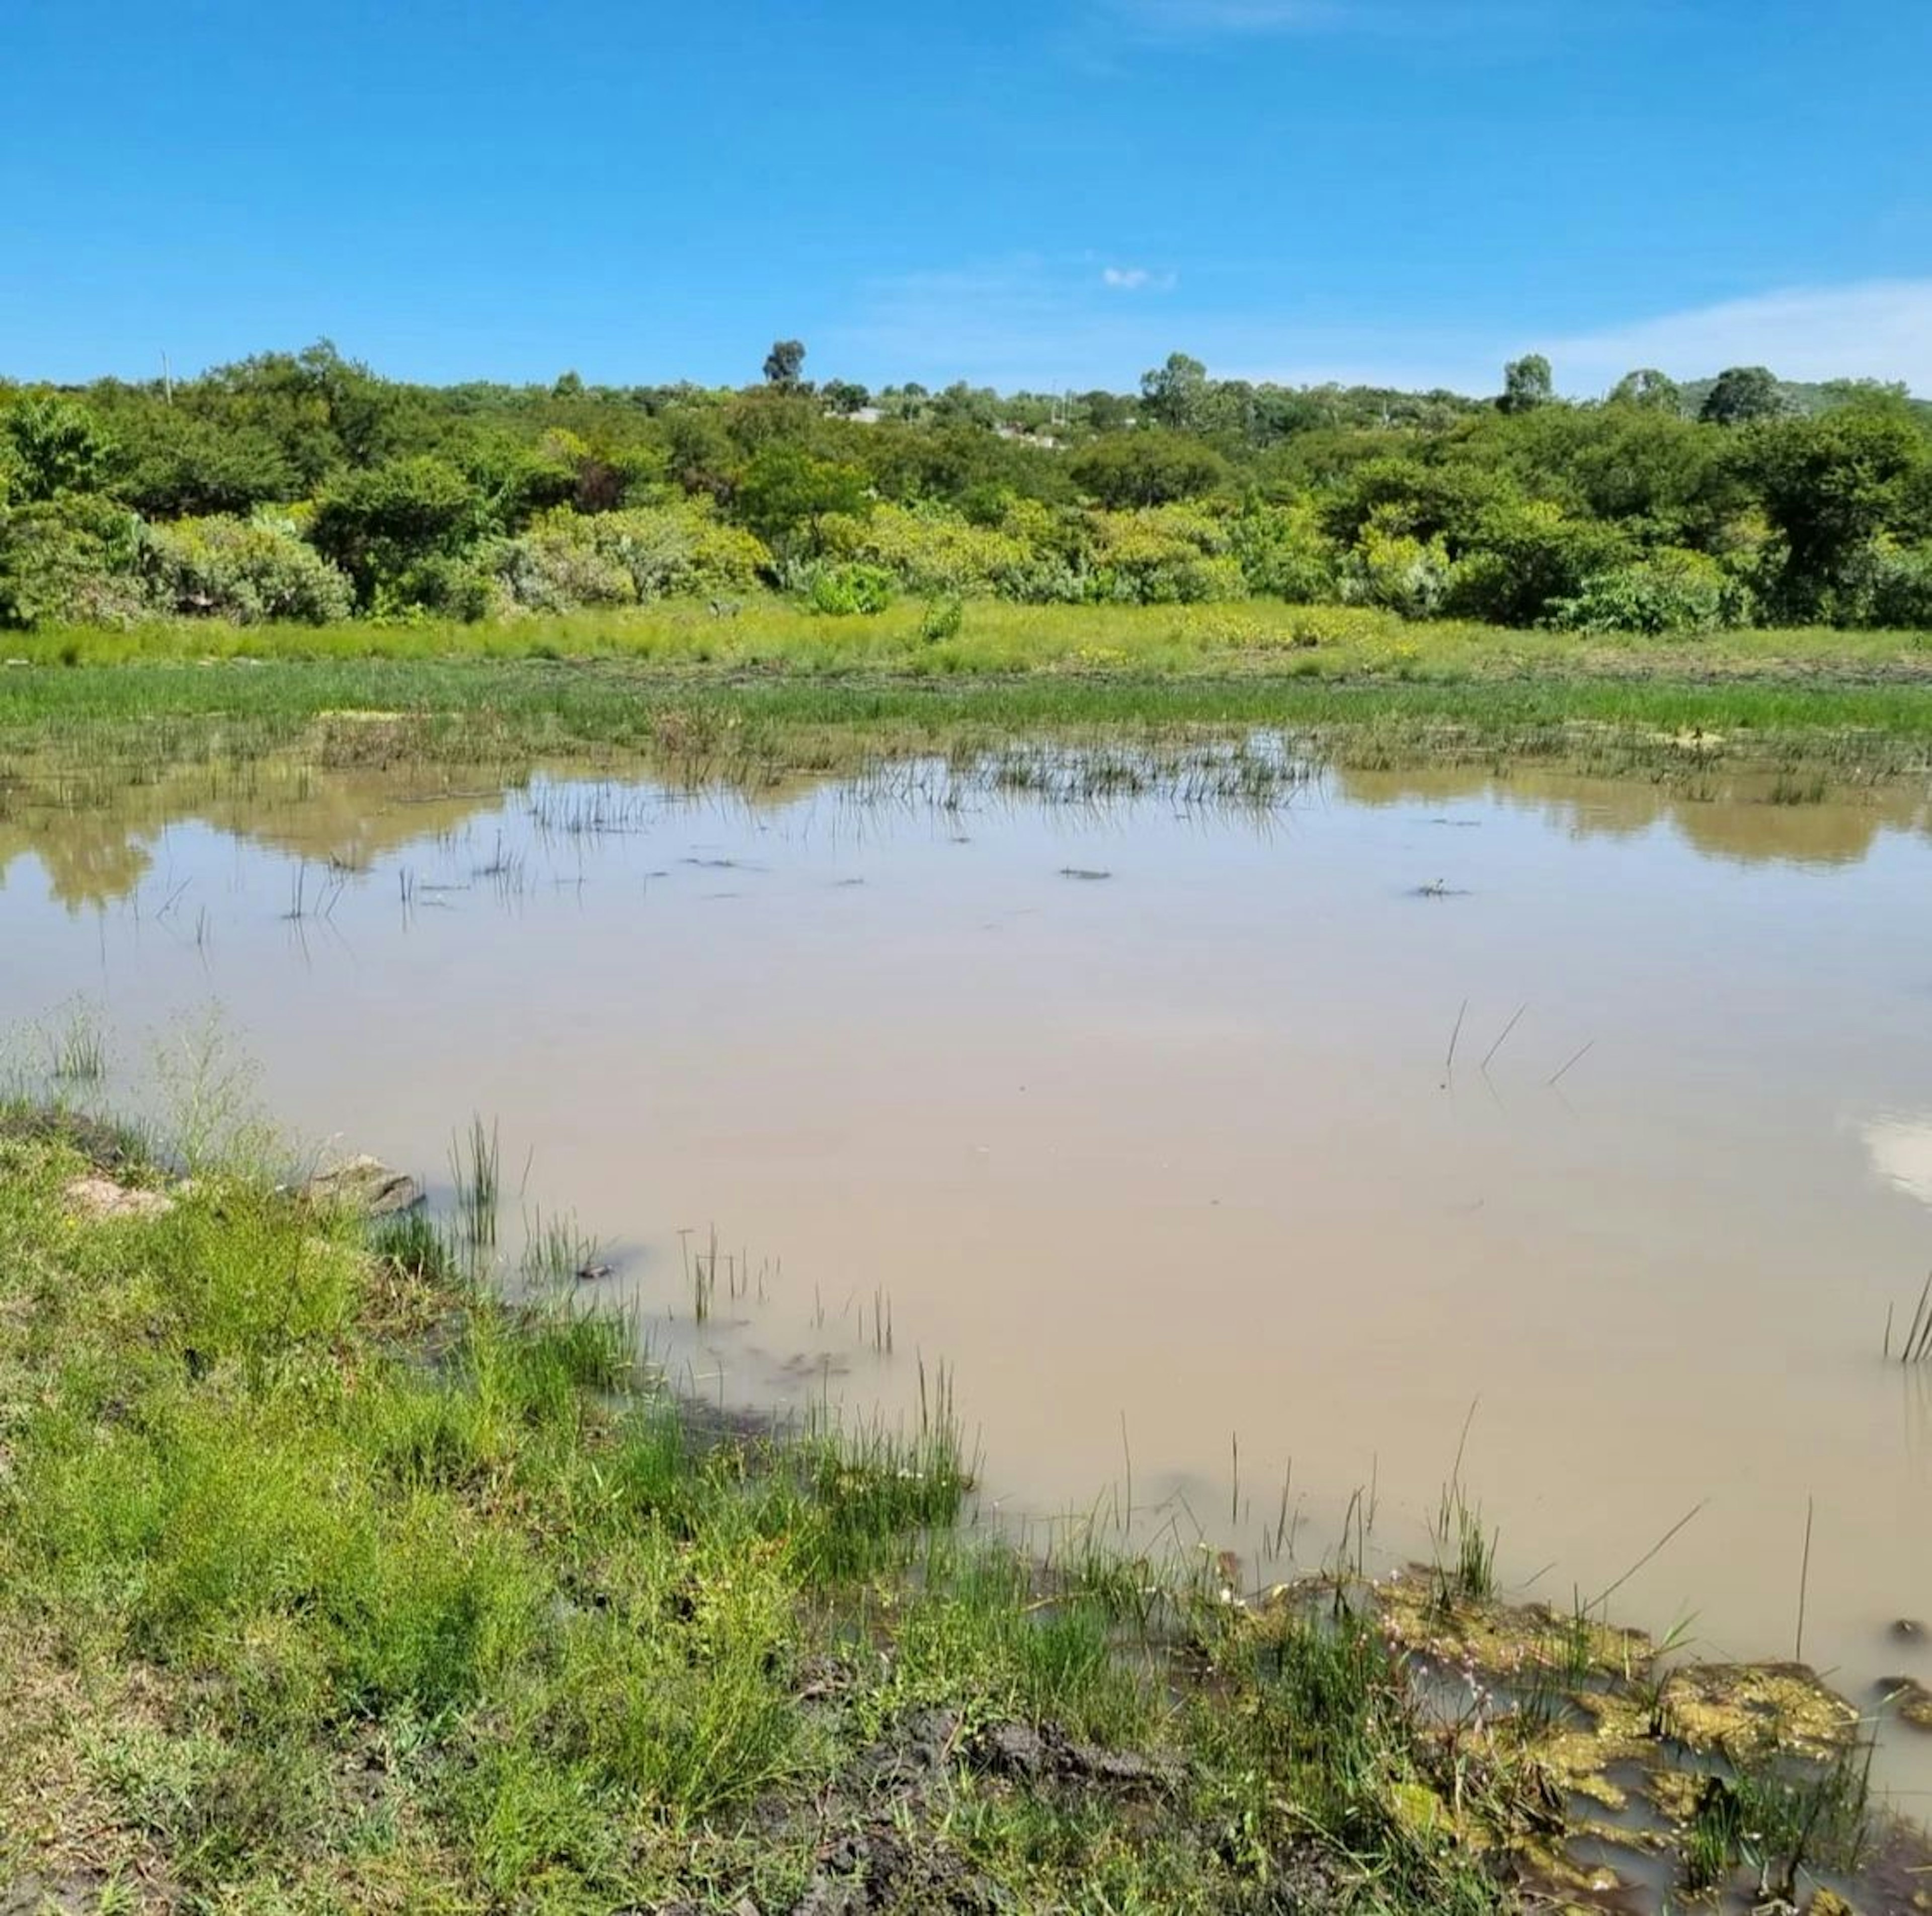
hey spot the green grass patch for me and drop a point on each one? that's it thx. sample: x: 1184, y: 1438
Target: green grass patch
x: 327, y: 1580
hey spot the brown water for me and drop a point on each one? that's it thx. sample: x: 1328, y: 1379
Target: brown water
x: 1178, y: 1152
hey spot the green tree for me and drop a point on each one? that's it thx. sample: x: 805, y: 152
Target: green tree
x: 1173, y: 393
x: 785, y: 490
x: 1149, y: 468
x: 1527, y: 384
x: 1831, y: 485
x: 58, y: 448
x: 170, y: 462
x: 380, y: 525
x: 844, y: 397
x: 1741, y: 395
x: 784, y: 363
x: 1647, y: 387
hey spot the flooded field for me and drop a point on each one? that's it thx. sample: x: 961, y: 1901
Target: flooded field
x: 1235, y: 1159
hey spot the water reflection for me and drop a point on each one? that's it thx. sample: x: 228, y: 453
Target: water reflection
x: 96, y: 837
x: 1900, y: 1149
x: 1744, y: 817
x: 1179, y: 1154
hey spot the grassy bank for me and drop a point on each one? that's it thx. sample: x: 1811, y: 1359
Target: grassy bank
x: 1259, y: 638
x: 329, y: 1581
x: 774, y: 690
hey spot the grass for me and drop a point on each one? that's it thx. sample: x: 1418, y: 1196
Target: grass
x: 330, y: 1579
x: 778, y: 692
x: 1256, y: 637
x: 77, y: 1047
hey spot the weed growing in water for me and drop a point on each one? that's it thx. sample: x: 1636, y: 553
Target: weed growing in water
x: 474, y: 1169
x: 77, y: 1050
x: 556, y: 1253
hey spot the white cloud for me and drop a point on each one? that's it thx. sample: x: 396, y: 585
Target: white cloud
x: 1879, y: 329
x: 1038, y: 322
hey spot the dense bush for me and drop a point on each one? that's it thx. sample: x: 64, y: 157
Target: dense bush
x: 1147, y: 468
x: 567, y: 559
x: 851, y: 588
x: 1397, y: 571
x: 929, y: 549
x: 245, y: 570
x: 1672, y: 591
x: 1884, y: 584
x: 386, y: 526
x: 1525, y: 556
x: 1661, y: 509
x: 75, y: 557
x: 1163, y: 555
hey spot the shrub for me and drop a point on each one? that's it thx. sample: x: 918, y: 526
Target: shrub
x: 383, y: 525
x: 1526, y: 556
x: 1163, y: 555
x: 1151, y: 468
x: 568, y: 559
x: 1398, y: 572
x: 245, y: 570
x: 932, y: 549
x: 942, y: 619
x: 55, y: 447
x: 848, y: 589
x: 1283, y: 554
x: 1672, y: 591
x: 449, y: 585
x: 552, y: 569
x: 71, y: 558
x: 1883, y: 583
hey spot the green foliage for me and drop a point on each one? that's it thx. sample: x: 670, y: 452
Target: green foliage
x: 446, y: 502
x: 1647, y: 387
x: 173, y: 463
x: 1165, y: 555
x: 1884, y: 584
x: 72, y: 557
x: 566, y: 559
x: 850, y: 587
x: 929, y: 550
x: 1671, y: 591
x: 1396, y: 571
x: 1150, y: 468
x: 388, y: 526
x: 57, y: 447
x: 1527, y: 384
x: 246, y: 570
x: 942, y: 619
x: 1282, y: 553
x: 784, y: 363
x: 785, y: 489
x: 1831, y: 485
x: 1525, y: 557
x: 1741, y: 395
x: 844, y: 396
x: 1175, y: 394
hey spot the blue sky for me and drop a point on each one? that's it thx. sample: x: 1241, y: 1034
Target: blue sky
x: 1051, y: 194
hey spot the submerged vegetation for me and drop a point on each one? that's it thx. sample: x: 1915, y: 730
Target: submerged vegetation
x: 330, y: 1579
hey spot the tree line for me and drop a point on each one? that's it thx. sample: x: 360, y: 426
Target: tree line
x: 304, y: 486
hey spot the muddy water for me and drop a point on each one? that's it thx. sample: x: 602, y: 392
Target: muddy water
x: 1173, y: 1162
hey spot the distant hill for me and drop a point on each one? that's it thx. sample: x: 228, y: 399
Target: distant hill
x: 1807, y: 399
